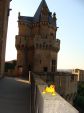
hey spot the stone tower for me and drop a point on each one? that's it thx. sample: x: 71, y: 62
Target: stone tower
x: 4, y: 13
x: 36, y: 43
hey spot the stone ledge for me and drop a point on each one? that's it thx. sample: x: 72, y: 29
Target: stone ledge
x: 46, y: 103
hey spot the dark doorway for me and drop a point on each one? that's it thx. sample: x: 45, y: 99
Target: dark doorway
x: 45, y: 69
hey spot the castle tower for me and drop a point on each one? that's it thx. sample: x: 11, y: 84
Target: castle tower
x: 4, y: 13
x: 36, y: 43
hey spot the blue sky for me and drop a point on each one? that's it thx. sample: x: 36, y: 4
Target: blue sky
x: 70, y: 20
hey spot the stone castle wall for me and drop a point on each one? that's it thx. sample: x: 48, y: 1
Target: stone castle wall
x: 4, y: 13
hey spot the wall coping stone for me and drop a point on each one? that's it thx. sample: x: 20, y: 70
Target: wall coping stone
x: 52, y: 104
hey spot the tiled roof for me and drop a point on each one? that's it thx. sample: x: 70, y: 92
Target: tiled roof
x: 37, y: 15
x: 26, y: 19
x: 38, y: 12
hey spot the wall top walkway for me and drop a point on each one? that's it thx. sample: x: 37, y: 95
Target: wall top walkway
x: 14, y: 96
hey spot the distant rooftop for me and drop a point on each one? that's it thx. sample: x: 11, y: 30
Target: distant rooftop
x: 65, y: 70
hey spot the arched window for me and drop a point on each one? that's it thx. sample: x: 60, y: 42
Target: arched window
x: 53, y: 65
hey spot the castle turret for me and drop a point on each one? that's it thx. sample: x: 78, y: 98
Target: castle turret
x: 37, y: 44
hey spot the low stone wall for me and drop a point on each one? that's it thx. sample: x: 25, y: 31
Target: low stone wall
x: 46, y: 103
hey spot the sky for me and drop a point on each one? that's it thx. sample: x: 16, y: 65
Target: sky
x: 70, y: 20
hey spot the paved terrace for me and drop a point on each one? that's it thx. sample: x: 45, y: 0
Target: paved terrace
x: 14, y: 96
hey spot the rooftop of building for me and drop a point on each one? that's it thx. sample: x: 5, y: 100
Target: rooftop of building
x: 36, y: 17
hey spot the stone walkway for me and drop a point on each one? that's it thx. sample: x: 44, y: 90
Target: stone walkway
x: 14, y: 96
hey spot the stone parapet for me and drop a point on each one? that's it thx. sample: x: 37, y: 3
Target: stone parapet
x: 46, y: 103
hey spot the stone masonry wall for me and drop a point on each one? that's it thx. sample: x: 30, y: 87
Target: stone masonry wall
x: 46, y: 103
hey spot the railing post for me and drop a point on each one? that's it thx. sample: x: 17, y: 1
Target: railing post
x: 32, y: 81
x: 29, y: 76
